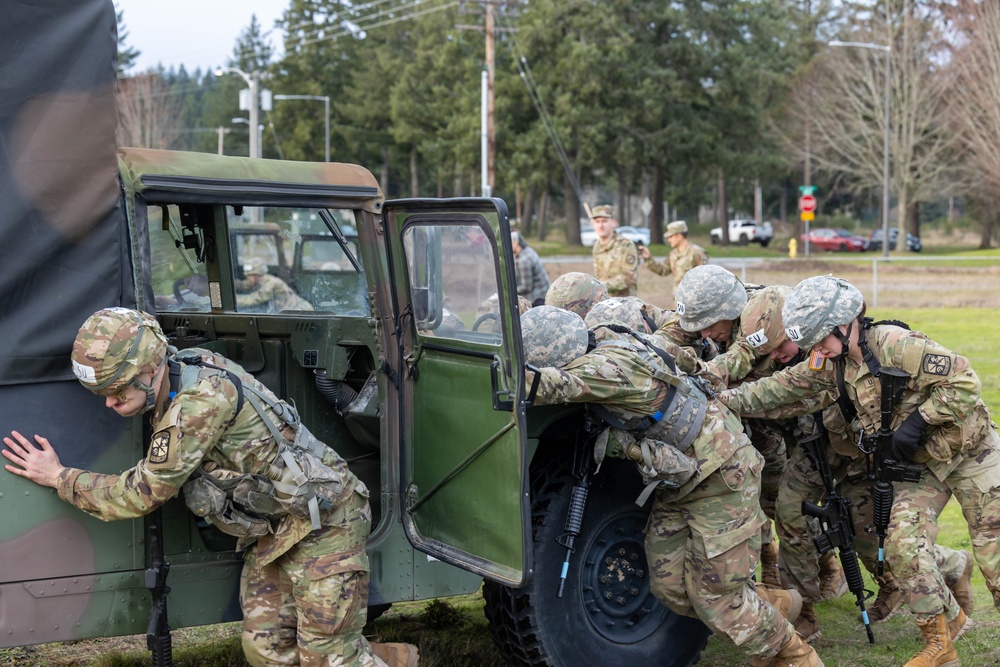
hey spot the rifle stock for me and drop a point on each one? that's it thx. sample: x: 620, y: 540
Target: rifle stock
x: 158, y: 639
x: 836, y: 518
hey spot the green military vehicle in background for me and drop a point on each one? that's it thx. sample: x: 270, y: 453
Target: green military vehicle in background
x: 402, y: 351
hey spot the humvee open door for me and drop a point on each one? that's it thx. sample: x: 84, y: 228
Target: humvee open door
x: 464, y: 469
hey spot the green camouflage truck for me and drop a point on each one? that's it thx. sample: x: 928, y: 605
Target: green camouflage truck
x: 401, y: 350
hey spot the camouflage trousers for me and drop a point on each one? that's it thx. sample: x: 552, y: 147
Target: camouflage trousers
x: 975, y: 483
x: 798, y: 560
x: 310, y: 605
x: 768, y: 439
x: 703, y: 549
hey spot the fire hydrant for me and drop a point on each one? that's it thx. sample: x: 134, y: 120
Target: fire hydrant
x: 793, y: 248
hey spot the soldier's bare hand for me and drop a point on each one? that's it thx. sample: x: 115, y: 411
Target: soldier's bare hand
x: 38, y: 463
x: 644, y: 252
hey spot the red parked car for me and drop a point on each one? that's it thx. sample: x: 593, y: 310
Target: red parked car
x: 828, y: 238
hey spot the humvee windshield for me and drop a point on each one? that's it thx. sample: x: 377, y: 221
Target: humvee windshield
x: 303, y: 259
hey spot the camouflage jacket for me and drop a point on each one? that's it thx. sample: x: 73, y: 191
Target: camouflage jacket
x: 747, y: 354
x: 616, y: 264
x: 275, y: 294
x: 670, y: 329
x: 200, y: 427
x: 679, y: 262
x: 624, y: 383
x: 943, y: 388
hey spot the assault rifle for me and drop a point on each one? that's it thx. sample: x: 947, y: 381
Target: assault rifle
x: 885, y: 468
x: 583, y: 470
x: 158, y: 630
x: 836, y: 519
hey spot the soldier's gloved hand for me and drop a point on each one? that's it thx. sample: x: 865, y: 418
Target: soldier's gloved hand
x: 907, y: 440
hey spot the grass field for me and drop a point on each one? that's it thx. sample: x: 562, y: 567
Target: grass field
x: 453, y: 633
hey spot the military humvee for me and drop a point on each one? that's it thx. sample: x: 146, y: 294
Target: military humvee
x: 402, y: 351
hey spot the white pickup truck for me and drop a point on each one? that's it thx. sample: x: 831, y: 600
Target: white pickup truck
x: 745, y: 231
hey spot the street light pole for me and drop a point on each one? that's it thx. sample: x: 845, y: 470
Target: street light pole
x: 885, y: 138
x: 326, y: 102
x: 253, y: 83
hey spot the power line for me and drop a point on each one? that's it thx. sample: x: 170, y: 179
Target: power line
x: 370, y: 26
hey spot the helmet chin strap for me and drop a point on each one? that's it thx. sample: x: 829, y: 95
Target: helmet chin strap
x: 149, y: 389
x: 845, y: 341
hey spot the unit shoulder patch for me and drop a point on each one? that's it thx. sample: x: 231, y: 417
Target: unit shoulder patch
x: 936, y: 364
x: 159, y: 448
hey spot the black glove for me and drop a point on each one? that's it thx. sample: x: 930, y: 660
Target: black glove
x: 908, y: 438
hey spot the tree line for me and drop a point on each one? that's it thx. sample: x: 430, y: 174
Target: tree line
x: 692, y: 102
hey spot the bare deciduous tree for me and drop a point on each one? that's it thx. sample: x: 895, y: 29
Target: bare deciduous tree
x: 839, y: 101
x: 147, y: 112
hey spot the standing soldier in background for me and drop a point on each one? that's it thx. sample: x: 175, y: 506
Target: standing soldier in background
x: 939, y: 421
x: 616, y: 259
x: 532, y: 279
x: 703, y: 535
x: 248, y: 466
x: 683, y: 257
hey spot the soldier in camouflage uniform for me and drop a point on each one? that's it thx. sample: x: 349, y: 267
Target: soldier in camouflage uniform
x: 799, y: 563
x: 940, y: 421
x: 703, y: 534
x: 683, y: 257
x: 710, y: 301
x: 304, y: 586
x: 267, y: 292
x: 616, y: 259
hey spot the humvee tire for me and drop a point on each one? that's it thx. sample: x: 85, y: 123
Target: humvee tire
x: 607, y: 614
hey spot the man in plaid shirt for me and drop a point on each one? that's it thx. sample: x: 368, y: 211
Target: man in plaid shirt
x: 532, y: 280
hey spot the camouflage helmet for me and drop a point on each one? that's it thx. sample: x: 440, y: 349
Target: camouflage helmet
x: 625, y: 310
x: 761, y: 321
x: 603, y: 211
x: 817, y: 306
x: 552, y: 336
x: 255, y: 267
x: 576, y: 292
x: 708, y: 294
x: 116, y: 345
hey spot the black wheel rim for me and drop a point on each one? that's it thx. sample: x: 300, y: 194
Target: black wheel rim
x: 615, y: 582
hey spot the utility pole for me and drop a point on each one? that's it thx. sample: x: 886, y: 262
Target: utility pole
x: 490, y: 124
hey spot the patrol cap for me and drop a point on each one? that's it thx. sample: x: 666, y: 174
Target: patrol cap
x: 708, y: 294
x: 552, y: 336
x: 817, y: 305
x: 576, y: 292
x: 255, y: 267
x: 114, y: 346
x: 602, y: 211
x: 626, y: 310
x: 676, y: 227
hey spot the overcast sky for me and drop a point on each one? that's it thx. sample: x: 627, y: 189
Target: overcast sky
x: 195, y: 33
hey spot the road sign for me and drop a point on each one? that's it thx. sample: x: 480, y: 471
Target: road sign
x: 807, y: 204
x: 806, y: 216
x: 807, y: 189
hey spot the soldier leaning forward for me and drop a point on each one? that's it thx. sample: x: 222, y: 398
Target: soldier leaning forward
x: 249, y: 466
x: 703, y: 535
x: 802, y: 567
x: 940, y: 422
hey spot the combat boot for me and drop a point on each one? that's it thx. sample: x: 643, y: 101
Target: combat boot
x: 938, y: 650
x: 769, y: 565
x: 396, y: 654
x: 888, y: 600
x: 832, y: 582
x: 795, y: 652
x: 959, y: 625
x: 807, y: 624
x: 788, y: 602
x: 962, y: 589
